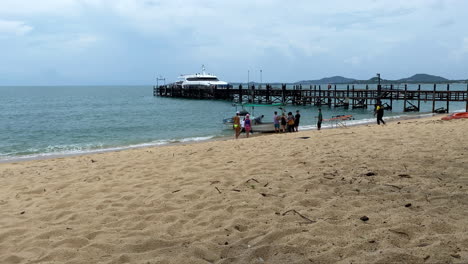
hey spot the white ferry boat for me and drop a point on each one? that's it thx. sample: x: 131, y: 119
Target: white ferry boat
x: 202, y: 80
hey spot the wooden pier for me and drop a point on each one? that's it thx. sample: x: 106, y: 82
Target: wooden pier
x: 323, y: 96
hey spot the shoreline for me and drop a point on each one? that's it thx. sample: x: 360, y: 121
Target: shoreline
x: 46, y: 156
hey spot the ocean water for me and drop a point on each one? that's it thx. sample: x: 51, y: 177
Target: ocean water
x: 43, y: 121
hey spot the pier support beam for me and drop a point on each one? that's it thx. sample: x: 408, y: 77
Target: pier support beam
x: 367, y: 89
x: 228, y: 96
x: 448, y: 97
x: 240, y: 93
x: 319, y: 96
x: 419, y: 97
x: 267, y: 96
x: 334, y: 95
x: 391, y: 96
x: 315, y: 95
x: 404, y: 104
x: 252, y: 94
x: 283, y: 93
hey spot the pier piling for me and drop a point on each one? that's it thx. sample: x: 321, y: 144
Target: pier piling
x: 448, y: 97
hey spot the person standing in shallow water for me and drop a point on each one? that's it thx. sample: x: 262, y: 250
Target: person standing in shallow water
x: 237, y: 125
x: 379, y: 111
x: 319, y: 119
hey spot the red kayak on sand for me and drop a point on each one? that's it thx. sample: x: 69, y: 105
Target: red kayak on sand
x: 456, y: 116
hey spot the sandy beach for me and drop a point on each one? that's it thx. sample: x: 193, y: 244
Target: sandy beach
x: 367, y: 194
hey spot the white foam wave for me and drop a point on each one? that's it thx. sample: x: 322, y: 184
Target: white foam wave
x: 77, y: 149
x: 460, y: 111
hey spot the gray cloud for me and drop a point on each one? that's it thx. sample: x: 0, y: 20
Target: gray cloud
x: 326, y: 36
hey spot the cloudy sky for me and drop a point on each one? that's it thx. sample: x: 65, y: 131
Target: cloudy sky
x: 53, y: 42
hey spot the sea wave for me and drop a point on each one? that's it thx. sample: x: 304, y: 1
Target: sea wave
x: 80, y: 149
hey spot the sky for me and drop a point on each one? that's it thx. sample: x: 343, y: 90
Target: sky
x: 132, y: 42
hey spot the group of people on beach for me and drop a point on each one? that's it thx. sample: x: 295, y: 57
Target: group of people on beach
x: 247, y: 124
x: 285, y: 123
x: 282, y: 123
x: 290, y: 122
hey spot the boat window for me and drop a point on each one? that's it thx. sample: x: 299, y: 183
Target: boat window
x: 203, y: 79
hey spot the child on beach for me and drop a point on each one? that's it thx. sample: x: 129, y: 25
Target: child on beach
x: 276, y: 122
x: 247, y: 125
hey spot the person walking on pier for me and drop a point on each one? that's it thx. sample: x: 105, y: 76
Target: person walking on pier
x: 296, y: 121
x: 319, y: 119
x: 379, y: 111
x: 237, y: 124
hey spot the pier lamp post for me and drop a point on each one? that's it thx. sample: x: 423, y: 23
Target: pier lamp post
x: 248, y: 79
x: 261, y: 78
x: 379, y: 88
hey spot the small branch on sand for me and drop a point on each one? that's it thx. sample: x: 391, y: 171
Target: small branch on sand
x: 176, y: 191
x: 235, y: 190
x: 218, y: 189
x: 394, y: 186
x: 399, y: 232
x: 267, y: 194
x: 404, y: 175
x: 299, y: 214
x: 266, y: 184
x: 252, y: 179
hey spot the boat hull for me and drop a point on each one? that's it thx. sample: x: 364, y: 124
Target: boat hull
x: 256, y: 127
